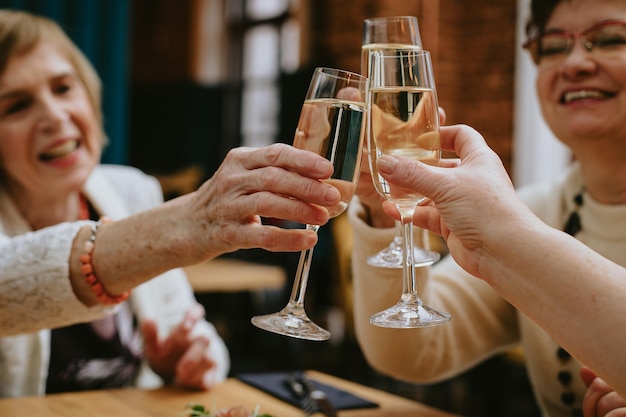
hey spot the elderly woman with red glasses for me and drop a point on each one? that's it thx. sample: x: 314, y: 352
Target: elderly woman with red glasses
x: 579, y: 47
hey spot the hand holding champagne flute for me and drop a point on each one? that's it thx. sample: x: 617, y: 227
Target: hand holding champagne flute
x: 332, y: 124
x: 404, y: 121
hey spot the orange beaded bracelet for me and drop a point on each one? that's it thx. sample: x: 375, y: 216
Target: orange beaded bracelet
x: 86, y: 268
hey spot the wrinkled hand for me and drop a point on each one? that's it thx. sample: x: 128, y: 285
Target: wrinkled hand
x: 600, y: 399
x: 469, y: 195
x: 277, y: 181
x: 182, y: 358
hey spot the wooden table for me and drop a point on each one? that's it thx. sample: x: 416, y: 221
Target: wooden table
x: 167, y: 402
x: 232, y: 275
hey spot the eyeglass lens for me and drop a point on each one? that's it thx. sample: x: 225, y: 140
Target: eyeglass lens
x: 602, y: 38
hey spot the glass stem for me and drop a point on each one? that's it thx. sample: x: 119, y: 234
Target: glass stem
x: 397, y: 239
x: 409, y: 284
x: 302, y: 274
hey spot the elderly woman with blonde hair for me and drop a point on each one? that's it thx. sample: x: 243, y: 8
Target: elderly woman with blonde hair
x: 91, y: 294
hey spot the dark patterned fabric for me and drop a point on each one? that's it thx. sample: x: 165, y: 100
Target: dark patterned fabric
x: 102, y: 354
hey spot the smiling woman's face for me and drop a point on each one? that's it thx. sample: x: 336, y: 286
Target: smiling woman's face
x: 582, y: 96
x: 49, y: 134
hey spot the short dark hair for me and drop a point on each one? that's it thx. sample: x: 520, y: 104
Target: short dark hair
x: 540, y: 12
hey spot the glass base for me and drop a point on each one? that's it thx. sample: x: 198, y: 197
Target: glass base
x: 409, y: 316
x: 391, y: 257
x: 289, y: 324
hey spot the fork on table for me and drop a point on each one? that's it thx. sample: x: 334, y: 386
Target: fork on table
x: 312, y: 399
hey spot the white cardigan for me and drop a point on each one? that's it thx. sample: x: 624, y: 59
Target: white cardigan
x: 36, y: 294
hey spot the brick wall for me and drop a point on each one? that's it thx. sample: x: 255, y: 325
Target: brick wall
x: 472, y: 43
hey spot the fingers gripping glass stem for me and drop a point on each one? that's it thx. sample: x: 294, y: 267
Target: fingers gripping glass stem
x: 332, y: 124
x: 404, y: 121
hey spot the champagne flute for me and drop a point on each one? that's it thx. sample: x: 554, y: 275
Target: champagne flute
x: 332, y: 124
x: 404, y: 121
x: 384, y: 34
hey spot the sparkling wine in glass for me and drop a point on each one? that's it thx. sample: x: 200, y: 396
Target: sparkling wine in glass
x: 404, y: 122
x: 332, y: 124
x: 388, y: 34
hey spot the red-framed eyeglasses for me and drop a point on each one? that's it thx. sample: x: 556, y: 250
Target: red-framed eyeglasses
x: 552, y: 46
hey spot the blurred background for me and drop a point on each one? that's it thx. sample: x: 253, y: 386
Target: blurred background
x: 187, y: 80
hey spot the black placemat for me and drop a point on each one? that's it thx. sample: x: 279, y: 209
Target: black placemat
x: 274, y: 383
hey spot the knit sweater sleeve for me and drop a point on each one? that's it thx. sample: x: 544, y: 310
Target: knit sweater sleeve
x: 34, y: 265
x: 482, y: 325
x: 34, y: 284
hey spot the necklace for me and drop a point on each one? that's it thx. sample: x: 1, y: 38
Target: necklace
x: 572, y: 227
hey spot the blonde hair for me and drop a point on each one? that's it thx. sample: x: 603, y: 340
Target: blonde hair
x: 20, y: 32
